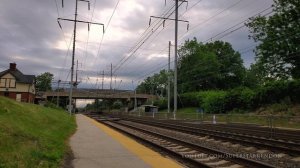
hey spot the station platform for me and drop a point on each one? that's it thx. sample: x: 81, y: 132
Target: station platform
x: 95, y: 145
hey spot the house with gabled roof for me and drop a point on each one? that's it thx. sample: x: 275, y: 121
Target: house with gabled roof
x: 16, y: 85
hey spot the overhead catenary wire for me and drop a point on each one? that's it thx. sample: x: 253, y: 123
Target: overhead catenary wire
x: 242, y: 22
x: 231, y: 6
x: 141, y: 42
x: 195, y: 4
x: 87, y: 42
x: 210, y: 18
x: 108, y: 23
x: 105, y: 30
x: 240, y: 51
x: 67, y: 45
x: 189, y: 8
x: 151, y: 37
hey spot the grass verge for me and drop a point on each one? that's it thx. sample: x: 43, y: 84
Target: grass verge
x: 33, y: 136
x: 265, y: 117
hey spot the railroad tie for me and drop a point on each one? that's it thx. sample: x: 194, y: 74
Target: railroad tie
x: 218, y: 141
x: 192, y: 152
x: 226, y: 144
x: 218, y: 163
x: 175, y: 147
x: 235, y: 145
x: 281, y: 155
x: 263, y: 151
x: 232, y: 166
x: 203, y: 138
x: 206, y: 159
x: 181, y: 150
x: 297, y: 159
x: 209, y: 140
x: 250, y: 149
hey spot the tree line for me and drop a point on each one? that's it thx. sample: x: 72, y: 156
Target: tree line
x: 216, y: 66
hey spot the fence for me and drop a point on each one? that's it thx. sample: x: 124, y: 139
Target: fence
x: 263, y: 120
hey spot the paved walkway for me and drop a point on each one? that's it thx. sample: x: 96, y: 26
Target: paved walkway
x: 96, y: 146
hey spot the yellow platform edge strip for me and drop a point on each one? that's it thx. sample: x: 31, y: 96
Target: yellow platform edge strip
x: 149, y: 156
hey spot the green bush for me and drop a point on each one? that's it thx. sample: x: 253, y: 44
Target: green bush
x: 294, y: 90
x: 243, y: 98
x: 272, y: 92
x: 213, y: 101
x: 190, y: 99
x: 117, y: 104
x: 52, y: 105
x: 161, y: 103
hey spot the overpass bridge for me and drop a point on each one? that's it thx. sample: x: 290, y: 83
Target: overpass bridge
x: 97, y: 94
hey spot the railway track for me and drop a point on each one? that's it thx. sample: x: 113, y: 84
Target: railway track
x: 289, y: 147
x: 188, y: 153
x: 196, y: 150
x: 247, y: 129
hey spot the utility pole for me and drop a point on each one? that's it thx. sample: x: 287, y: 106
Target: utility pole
x: 102, y: 79
x: 111, y: 75
x: 169, y: 79
x: 76, y: 76
x: 74, y: 44
x: 115, y: 83
x: 176, y: 55
x: 135, y: 102
x: 175, y: 62
x: 57, y: 98
x: 152, y: 90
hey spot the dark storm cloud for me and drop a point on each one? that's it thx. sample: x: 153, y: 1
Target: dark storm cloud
x: 29, y: 30
x: 31, y: 37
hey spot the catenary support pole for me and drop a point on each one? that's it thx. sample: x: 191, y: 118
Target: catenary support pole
x: 73, y: 56
x: 169, y: 79
x: 175, y: 62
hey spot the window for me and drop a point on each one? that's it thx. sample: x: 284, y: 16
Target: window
x: 7, y: 83
x: 2, y: 82
x: 12, y: 83
x: 19, y: 97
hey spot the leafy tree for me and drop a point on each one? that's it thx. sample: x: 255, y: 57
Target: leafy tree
x: 254, y: 76
x: 197, y: 68
x: 156, y: 84
x: 209, y: 66
x: 201, y: 67
x: 117, y: 104
x: 100, y: 105
x: 43, y: 81
x: 279, y: 37
x: 231, y: 68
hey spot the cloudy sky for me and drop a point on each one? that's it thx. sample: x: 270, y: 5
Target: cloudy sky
x: 31, y: 36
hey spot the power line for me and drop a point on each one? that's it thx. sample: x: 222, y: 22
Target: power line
x: 210, y: 18
x: 244, y: 21
x: 241, y: 51
x: 68, y: 46
x: 100, y: 45
x: 167, y: 26
x: 143, y: 37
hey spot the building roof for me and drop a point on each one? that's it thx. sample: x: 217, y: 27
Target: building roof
x: 20, y: 77
x: 149, y: 106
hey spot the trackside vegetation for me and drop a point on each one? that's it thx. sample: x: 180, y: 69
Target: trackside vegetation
x: 212, y: 76
x: 244, y: 98
x: 32, y: 135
